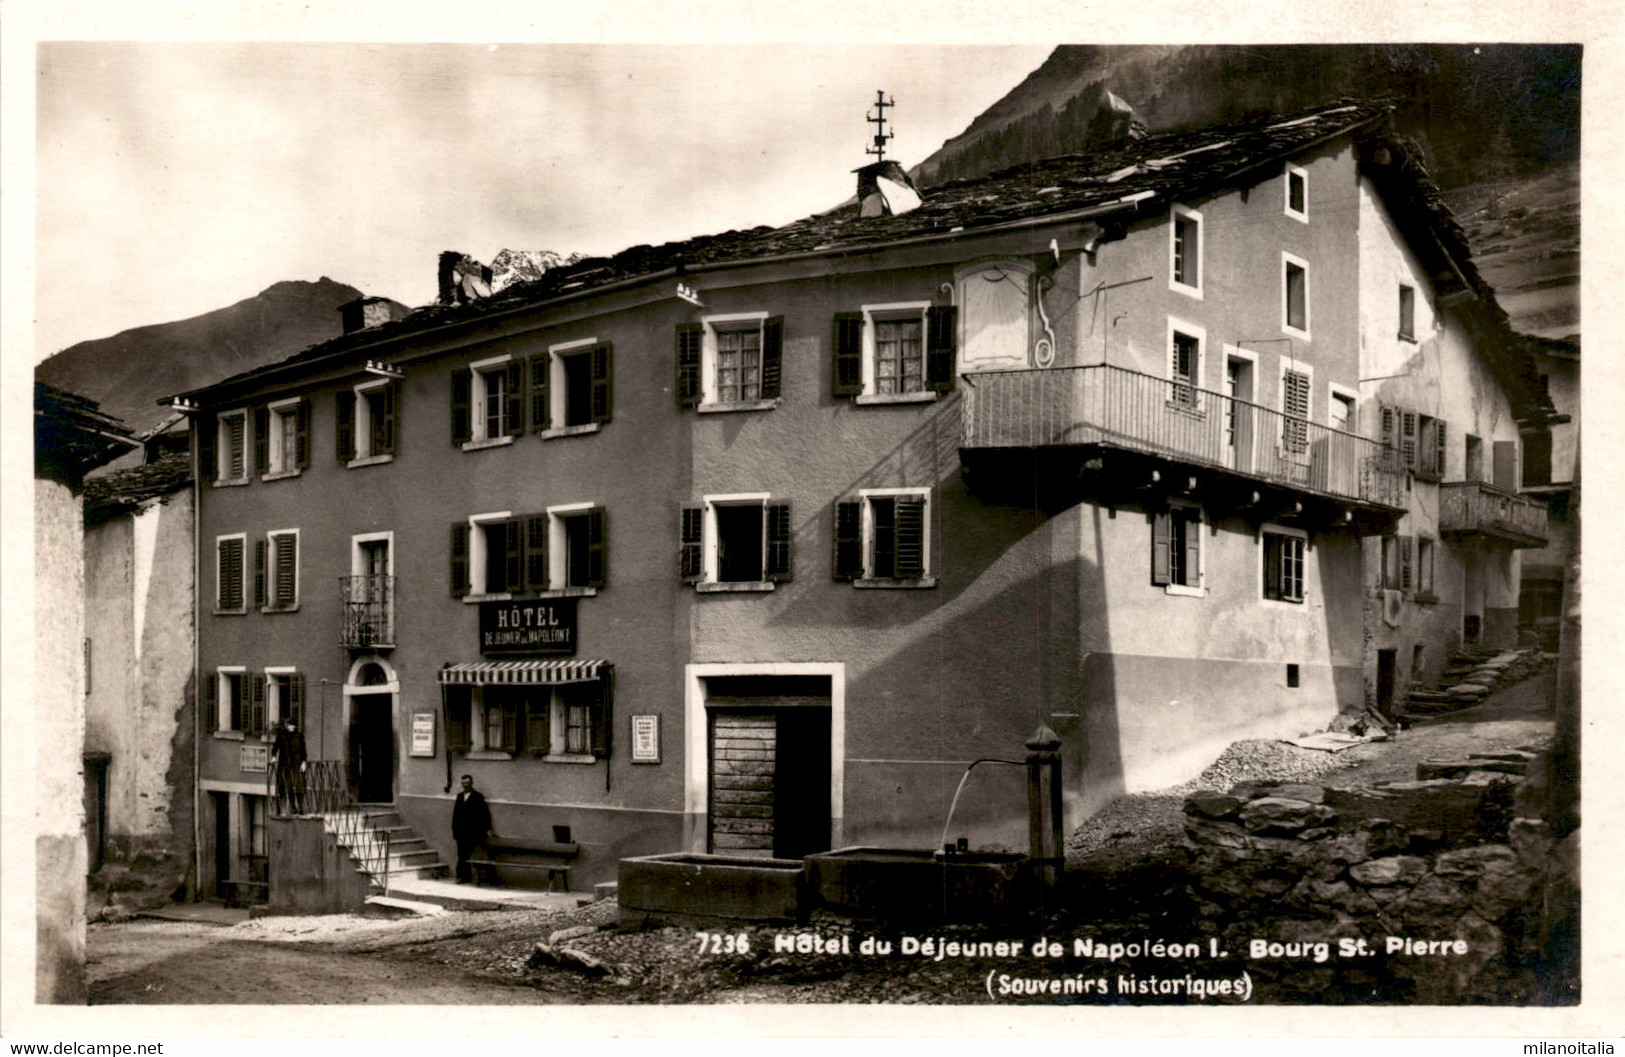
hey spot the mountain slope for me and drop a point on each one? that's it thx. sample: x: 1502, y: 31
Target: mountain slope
x: 128, y: 372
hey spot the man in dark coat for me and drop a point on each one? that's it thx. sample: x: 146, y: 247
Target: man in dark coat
x: 470, y: 822
x: 288, y: 760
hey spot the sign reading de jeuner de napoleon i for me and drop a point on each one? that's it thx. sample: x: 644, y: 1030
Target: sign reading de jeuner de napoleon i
x: 529, y: 626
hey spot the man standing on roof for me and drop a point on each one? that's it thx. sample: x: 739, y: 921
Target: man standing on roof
x: 470, y: 822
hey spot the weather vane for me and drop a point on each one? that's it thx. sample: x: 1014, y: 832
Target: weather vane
x: 879, y: 121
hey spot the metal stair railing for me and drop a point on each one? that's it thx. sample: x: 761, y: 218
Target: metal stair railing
x: 325, y: 791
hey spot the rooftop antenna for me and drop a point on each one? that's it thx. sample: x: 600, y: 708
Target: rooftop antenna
x: 879, y: 121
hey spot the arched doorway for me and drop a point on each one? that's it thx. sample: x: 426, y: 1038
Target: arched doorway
x: 370, y: 695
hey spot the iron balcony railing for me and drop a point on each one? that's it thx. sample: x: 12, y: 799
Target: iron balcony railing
x: 323, y: 788
x: 1126, y: 409
x: 369, y: 610
x: 1478, y: 506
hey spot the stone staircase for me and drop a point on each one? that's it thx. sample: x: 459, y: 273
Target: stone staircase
x: 383, y: 846
x: 1470, y: 677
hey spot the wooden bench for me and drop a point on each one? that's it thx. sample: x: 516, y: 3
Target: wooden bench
x: 509, y: 853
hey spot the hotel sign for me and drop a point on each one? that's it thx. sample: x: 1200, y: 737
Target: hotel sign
x: 529, y: 626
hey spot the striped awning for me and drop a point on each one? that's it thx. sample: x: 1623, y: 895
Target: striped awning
x: 522, y: 673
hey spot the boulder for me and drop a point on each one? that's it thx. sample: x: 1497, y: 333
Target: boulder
x: 1432, y: 900
x: 1212, y: 805
x: 1216, y: 832
x: 1310, y: 794
x: 1275, y: 814
x: 1395, y: 869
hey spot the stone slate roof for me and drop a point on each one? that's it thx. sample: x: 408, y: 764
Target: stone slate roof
x: 72, y: 435
x: 127, y: 490
x: 1158, y: 168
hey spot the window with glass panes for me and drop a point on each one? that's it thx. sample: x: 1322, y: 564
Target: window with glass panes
x: 739, y: 365
x: 899, y: 356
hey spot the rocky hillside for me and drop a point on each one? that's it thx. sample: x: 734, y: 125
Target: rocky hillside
x: 130, y: 371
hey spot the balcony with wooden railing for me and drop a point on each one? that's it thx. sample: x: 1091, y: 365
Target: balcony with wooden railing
x: 1468, y: 508
x: 1104, y: 408
x: 369, y: 611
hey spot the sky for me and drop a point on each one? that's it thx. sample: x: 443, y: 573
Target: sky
x: 177, y: 178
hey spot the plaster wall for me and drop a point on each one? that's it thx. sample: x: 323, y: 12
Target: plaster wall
x: 59, y: 726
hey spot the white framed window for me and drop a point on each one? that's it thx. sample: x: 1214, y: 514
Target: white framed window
x: 1342, y: 408
x: 488, y: 402
x: 737, y: 542
x: 741, y: 361
x: 1176, y: 549
x: 276, y: 571
x: 282, y: 438
x: 231, y: 447
x: 883, y: 538
x: 229, y: 698
x: 1187, y: 349
x: 486, y: 557
x: 284, y: 696
x: 576, y: 548
x: 1294, y: 295
x: 1407, y: 312
x: 896, y: 353
x: 566, y: 723
x: 366, y: 422
x: 1283, y: 552
x: 1185, y: 240
x: 1295, y: 186
x: 229, y: 596
x: 1296, y: 402
x: 570, y: 388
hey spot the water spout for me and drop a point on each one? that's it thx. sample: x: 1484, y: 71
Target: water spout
x: 949, y: 821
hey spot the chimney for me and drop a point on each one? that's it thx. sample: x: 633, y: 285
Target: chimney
x: 884, y: 190
x: 1114, y: 121
x: 462, y: 279
x: 366, y: 312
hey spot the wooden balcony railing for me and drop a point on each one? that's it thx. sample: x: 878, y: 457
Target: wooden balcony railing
x: 1468, y: 507
x: 369, y: 611
x: 1104, y: 405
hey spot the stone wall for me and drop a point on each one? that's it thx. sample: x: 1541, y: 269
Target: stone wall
x: 1434, y: 861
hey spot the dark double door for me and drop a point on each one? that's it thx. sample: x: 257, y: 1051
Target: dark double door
x: 769, y: 779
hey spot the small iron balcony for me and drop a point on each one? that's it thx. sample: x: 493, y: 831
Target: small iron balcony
x: 369, y: 611
x: 1479, y: 508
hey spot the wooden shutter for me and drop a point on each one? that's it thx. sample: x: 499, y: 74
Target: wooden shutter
x: 262, y: 440
x: 942, y: 333
x: 541, y: 407
x: 1440, y: 448
x: 513, y: 544
x: 211, y: 699
x: 513, y: 398
x: 847, y: 363
x: 206, y: 431
x: 1505, y: 465
x: 344, y: 424
x: 603, y: 381
x: 536, y: 529
x: 1161, y: 544
x: 296, y: 698
x: 1408, y: 439
x: 911, y: 529
x: 1407, y: 560
x: 778, y: 542
x: 301, y: 432
x: 1193, y: 547
x: 511, y: 719
x: 234, y: 432
x: 459, y: 559
x: 386, y: 431
x: 539, y: 722
x: 597, y: 548
x: 848, y: 559
x: 458, y: 707
x: 690, y: 342
x: 254, y: 719
x: 261, y: 595
x: 1272, y: 566
x: 691, y: 557
x: 772, y: 357
x: 603, y: 714
x: 462, y: 422
x: 287, y: 567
